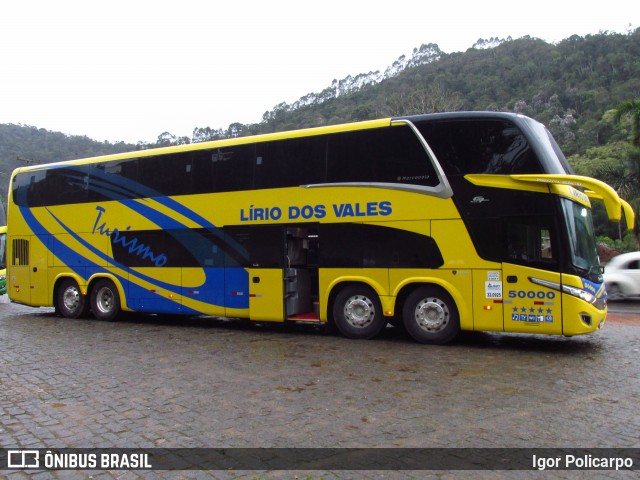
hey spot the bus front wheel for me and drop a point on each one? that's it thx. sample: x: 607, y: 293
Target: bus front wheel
x: 357, y: 312
x: 71, y: 303
x: 105, y: 300
x: 430, y: 316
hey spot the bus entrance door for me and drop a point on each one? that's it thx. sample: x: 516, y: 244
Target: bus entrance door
x: 301, y: 273
x: 266, y: 294
x: 529, y: 306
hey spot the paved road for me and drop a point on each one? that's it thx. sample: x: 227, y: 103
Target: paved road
x: 165, y: 382
x: 630, y: 307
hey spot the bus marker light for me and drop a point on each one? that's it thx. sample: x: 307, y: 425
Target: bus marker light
x: 488, y: 307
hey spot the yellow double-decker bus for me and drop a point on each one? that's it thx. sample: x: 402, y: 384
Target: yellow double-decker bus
x: 439, y: 223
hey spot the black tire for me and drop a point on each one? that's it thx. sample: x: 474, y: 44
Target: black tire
x: 430, y: 315
x: 357, y: 312
x: 70, y: 301
x: 105, y: 300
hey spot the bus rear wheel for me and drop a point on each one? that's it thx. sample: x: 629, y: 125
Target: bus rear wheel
x: 357, y: 312
x: 105, y: 300
x: 70, y: 302
x: 430, y: 315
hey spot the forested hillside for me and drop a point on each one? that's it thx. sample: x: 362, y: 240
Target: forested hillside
x: 572, y: 87
x: 568, y: 86
x: 25, y: 145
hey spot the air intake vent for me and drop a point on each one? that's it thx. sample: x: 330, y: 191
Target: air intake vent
x: 20, y: 252
x: 586, y: 319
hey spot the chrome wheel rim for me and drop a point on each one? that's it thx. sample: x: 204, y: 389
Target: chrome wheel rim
x: 432, y: 314
x: 104, y: 300
x: 71, y: 298
x: 359, y: 311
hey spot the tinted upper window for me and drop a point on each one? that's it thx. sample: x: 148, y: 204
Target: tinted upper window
x: 389, y: 155
x: 166, y: 174
x: 287, y: 163
x: 480, y: 146
x: 382, y: 155
x: 114, y: 180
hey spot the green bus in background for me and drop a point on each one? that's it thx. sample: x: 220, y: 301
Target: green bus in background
x: 3, y: 250
x: 3, y: 260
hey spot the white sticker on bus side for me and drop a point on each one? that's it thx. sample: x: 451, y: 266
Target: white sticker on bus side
x: 493, y: 276
x: 493, y: 289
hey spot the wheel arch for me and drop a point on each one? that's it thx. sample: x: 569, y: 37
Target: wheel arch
x: 66, y: 276
x: 356, y: 310
x: 116, y: 281
x: 340, y: 284
x: 462, y: 304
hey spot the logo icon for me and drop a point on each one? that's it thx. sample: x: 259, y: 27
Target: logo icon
x: 23, y: 459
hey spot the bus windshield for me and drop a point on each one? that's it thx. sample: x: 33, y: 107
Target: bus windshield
x: 549, y: 150
x: 582, y: 246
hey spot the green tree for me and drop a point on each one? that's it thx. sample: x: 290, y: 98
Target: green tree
x: 630, y: 108
x: 628, y: 182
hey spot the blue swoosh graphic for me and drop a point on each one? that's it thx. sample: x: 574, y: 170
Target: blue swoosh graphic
x: 121, y: 189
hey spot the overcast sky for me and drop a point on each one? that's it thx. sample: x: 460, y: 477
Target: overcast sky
x: 133, y: 69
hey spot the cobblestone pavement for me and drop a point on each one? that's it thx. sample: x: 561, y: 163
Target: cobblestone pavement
x: 169, y: 382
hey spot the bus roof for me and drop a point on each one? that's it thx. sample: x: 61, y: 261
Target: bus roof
x: 306, y: 132
x: 266, y: 137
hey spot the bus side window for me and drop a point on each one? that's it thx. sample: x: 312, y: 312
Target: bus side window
x: 529, y: 240
x: 66, y: 185
x: 166, y: 175
x: 474, y: 146
x: 114, y: 180
x: 232, y: 168
x: 202, y: 172
x: 385, y: 155
x: 290, y: 163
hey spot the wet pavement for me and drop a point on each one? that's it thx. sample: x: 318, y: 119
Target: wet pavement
x: 148, y: 382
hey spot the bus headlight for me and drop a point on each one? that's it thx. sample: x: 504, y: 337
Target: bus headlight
x: 599, y: 303
x: 578, y: 292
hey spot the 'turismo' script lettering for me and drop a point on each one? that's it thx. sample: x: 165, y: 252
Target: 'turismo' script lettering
x: 131, y: 242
